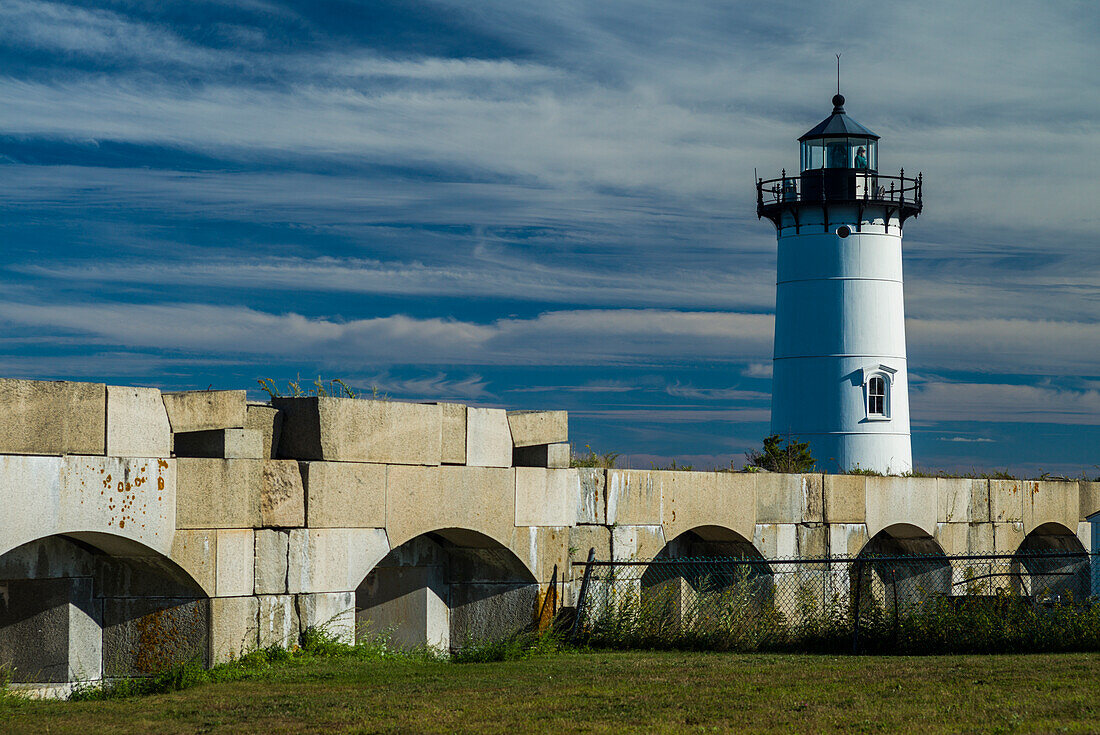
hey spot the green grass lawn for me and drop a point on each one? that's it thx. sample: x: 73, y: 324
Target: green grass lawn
x: 611, y: 692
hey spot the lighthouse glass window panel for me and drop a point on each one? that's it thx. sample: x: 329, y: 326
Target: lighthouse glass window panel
x: 836, y: 153
x: 872, y: 155
x: 876, y: 396
x: 813, y: 155
x: 860, y: 154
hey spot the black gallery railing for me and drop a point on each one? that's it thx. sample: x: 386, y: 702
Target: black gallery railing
x: 840, y: 185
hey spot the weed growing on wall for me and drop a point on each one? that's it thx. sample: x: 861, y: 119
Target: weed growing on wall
x: 335, y: 388
x: 589, y: 458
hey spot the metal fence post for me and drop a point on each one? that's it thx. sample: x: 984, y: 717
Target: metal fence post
x: 583, y: 596
x: 855, y: 616
x: 897, y: 613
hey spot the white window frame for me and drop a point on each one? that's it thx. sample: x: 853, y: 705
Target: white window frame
x: 887, y: 374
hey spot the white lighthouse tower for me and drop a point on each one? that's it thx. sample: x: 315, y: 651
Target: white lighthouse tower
x: 839, y: 375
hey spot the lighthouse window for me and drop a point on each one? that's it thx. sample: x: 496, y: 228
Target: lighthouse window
x: 813, y: 155
x: 837, y: 154
x: 876, y: 396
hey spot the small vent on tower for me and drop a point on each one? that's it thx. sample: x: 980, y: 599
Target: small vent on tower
x: 843, y: 231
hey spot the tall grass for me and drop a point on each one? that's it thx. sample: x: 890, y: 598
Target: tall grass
x: 743, y: 617
x: 316, y: 644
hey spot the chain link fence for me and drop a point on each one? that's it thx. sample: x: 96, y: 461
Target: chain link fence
x: 902, y: 604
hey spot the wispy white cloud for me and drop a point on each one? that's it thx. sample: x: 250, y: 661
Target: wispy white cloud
x: 992, y: 402
x: 964, y: 440
x: 678, y: 390
x: 486, y: 274
x: 558, y: 337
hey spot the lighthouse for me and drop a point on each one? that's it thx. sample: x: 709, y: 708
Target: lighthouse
x: 839, y: 373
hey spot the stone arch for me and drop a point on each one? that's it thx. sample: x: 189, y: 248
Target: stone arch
x: 683, y: 588
x: 84, y: 605
x: 72, y: 495
x: 708, y: 541
x: 1051, y: 566
x: 446, y: 588
x: 901, y: 566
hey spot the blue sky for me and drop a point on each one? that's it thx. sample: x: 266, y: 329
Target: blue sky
x: 547, y: 206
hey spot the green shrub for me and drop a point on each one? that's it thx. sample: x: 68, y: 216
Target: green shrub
x: 782, y: 454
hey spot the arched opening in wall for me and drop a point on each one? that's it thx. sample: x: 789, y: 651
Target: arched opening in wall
x: 707, y: 577
x: 80, y: 607
x: 1051, y: 566
x: 446, y: 589
x: 900, y: 568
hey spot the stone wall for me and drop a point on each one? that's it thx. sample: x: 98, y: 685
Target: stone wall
x: 144, y: 528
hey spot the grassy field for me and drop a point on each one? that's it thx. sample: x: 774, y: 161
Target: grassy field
x: 611, y: 692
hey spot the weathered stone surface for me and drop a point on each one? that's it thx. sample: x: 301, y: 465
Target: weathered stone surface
x: 218, y: 493
x: 980, y: 538
x: 333, y: 559
x: 1007, y: 537
x: 126, y: 497
x: 52, y: 417
x: 1050, y: 502
x: 488, y: 438
x: 220, y: 443
x: 776, y: 540
x: 592, y: 500
x: 634, y: 497
x: 145, y: 636
x: 541, y: 548
x: 278, y: 621
x: 407, y: 605
x: 845, y: 500
x: 345, y: 494
x: 49, y: 630
x: 453, y: 450
x: 723, y: 499
x: 47, y: 558
x: 233, y: 627
x: 1006, y: 501
x: 788, y: 498
x: 1086, y: 534
x: 813, y: 540
x: 419, y: 500
x: 583, y: 538
x: 196, y: 552
x: 953, y: 538
x: 269, y: 422
x: 490, y: 612
x: 282, y: 494
x: 911, y: 501
x: 272, y: 561
x: 355, y: 430
x: 530, y: 428
x: 546, y: 497
x: 143, y: 574
x: 847, y: 539
x: 1090, y: 498
x: 236, y: 564
x: 137, y: 424
x: 33, y: 485
x: 333, y: 612
x: 203, y: 410
x: 954, y: 501
x: 636, y: 542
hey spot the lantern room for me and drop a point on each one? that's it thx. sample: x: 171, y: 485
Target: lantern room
x: 839, y: 142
